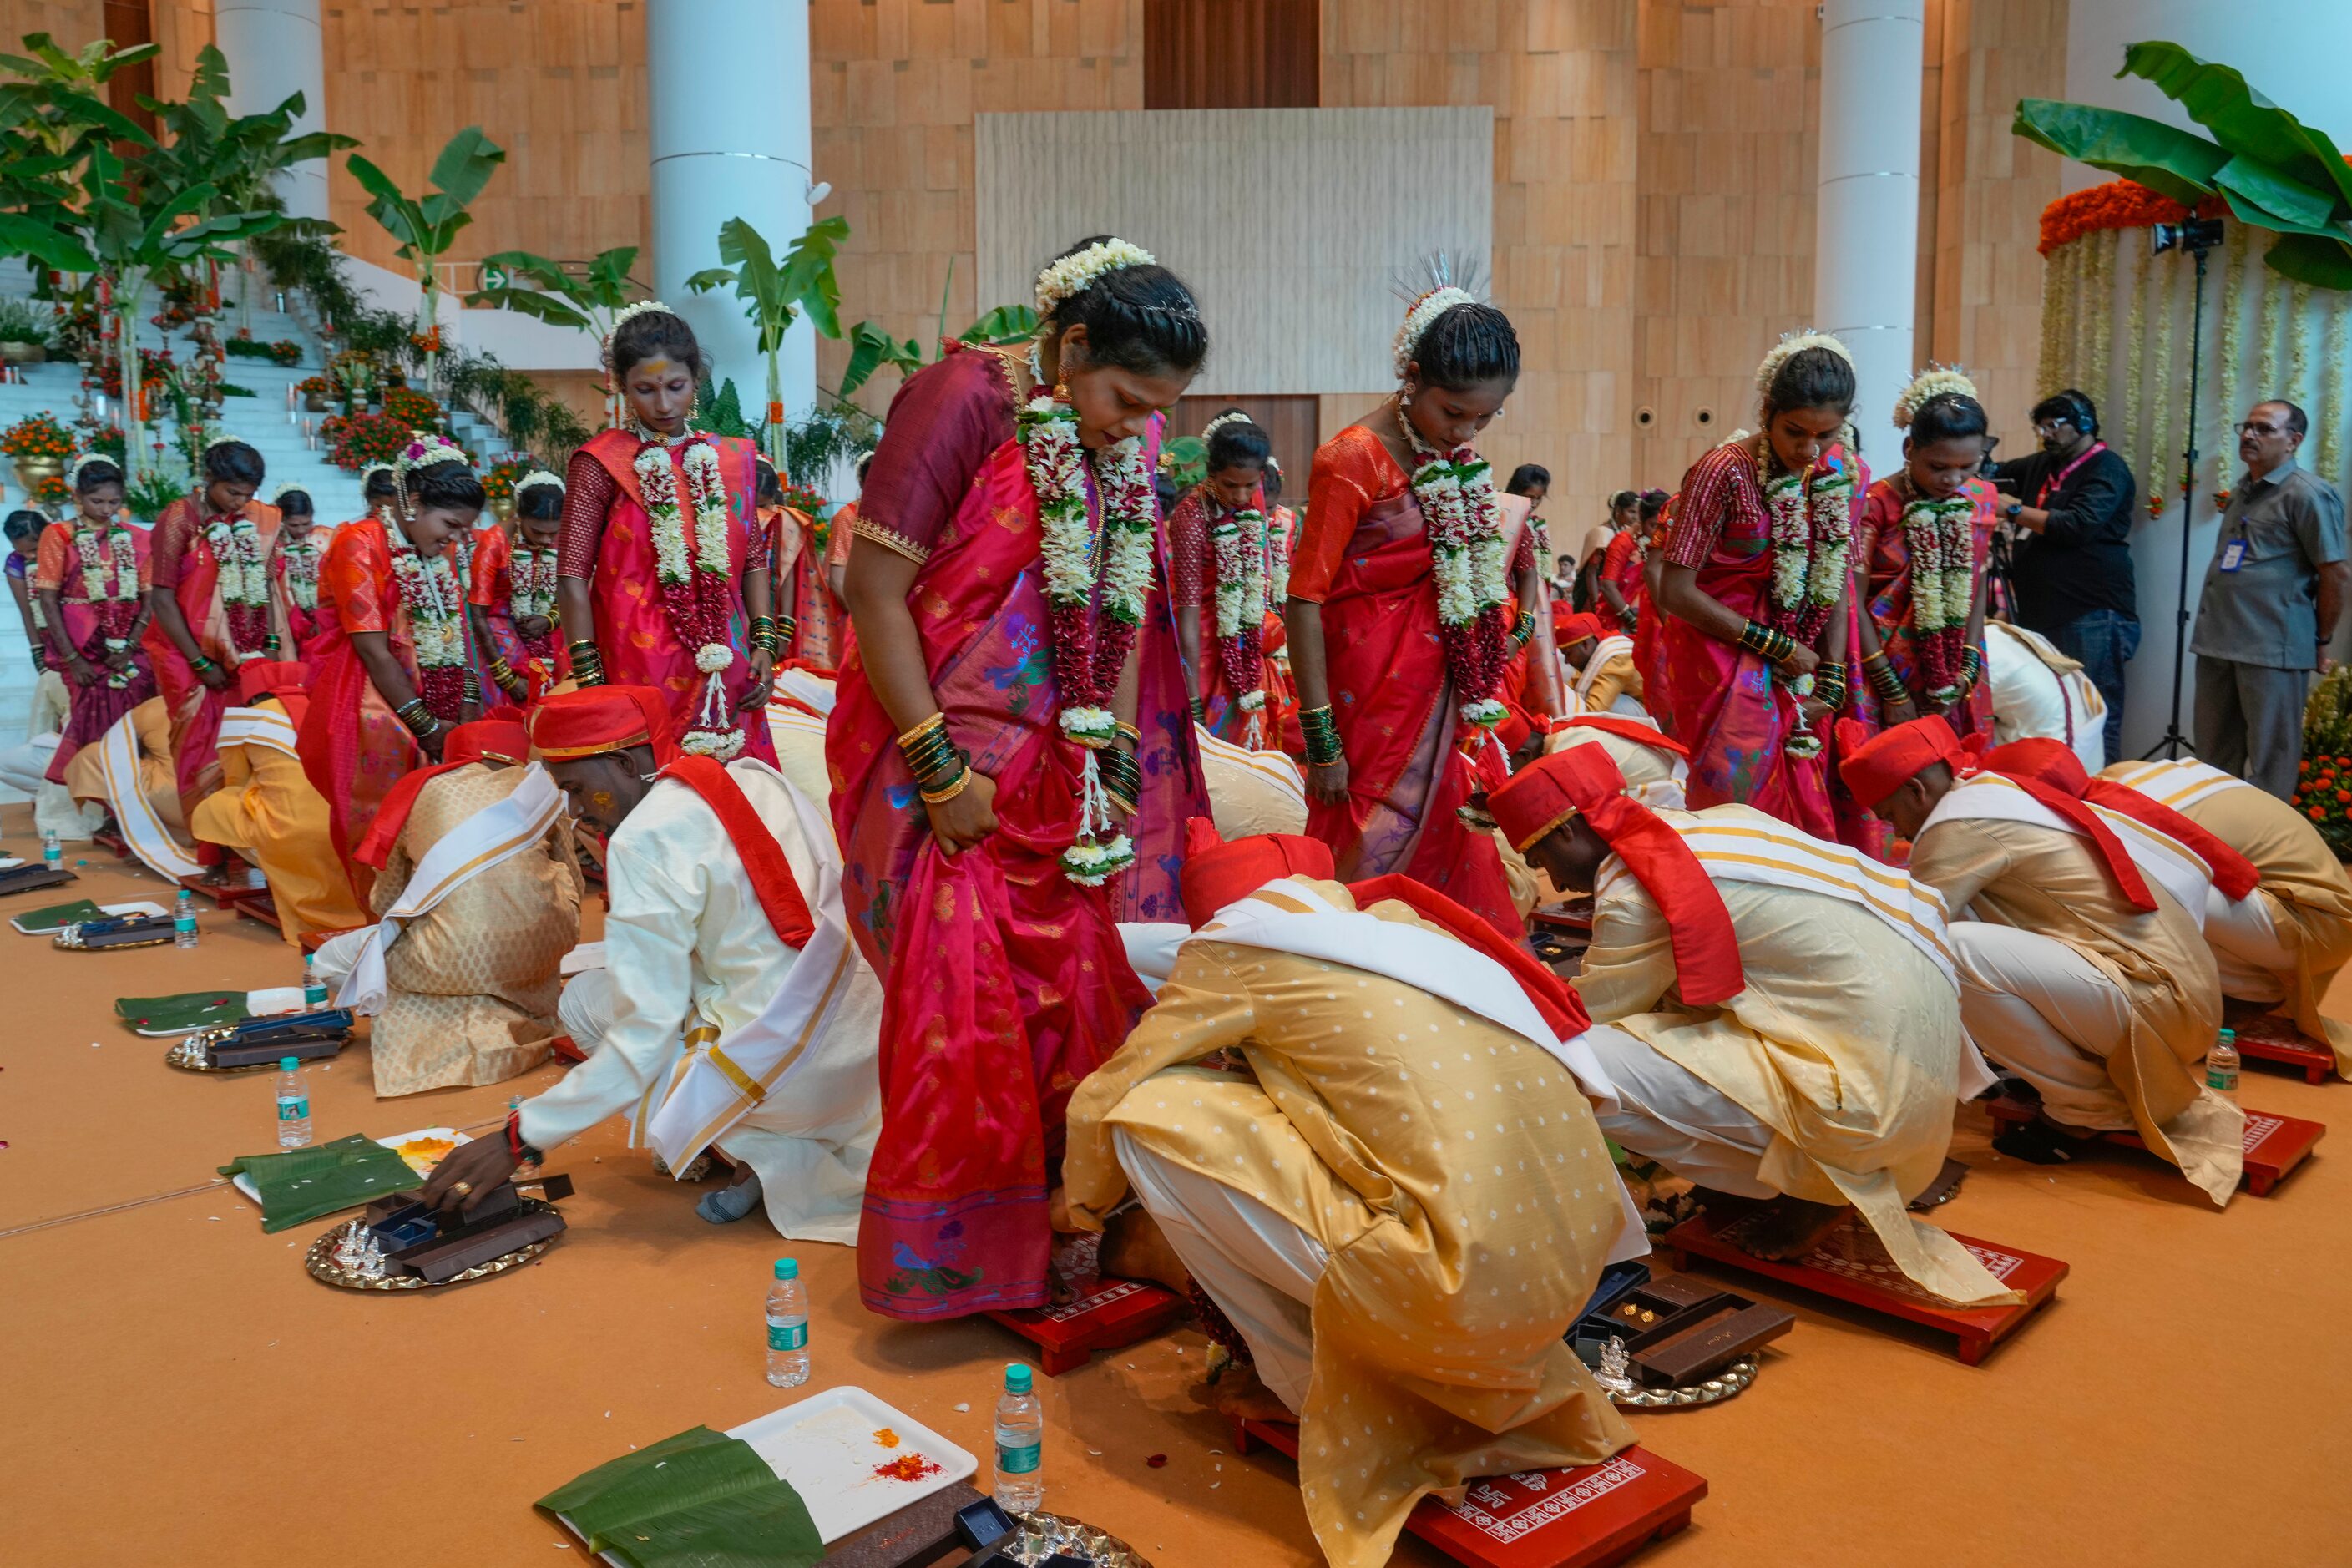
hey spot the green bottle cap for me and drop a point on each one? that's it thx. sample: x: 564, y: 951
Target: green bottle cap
x: 788, y: 1269
x: 1016, y: 1378
x: 286, y: 1064
x: 2228, y: 1036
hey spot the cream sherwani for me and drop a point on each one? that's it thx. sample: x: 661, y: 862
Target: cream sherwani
x: 1845, y: 1049
x: 1418, y: 1178
x: 2039, y: 693
x: 470, y: 983
x: 688, y: 946
x: 2105, y: 1009
x: 1609, y: 682
x: 1653, y: 777
x: 2284, y: 941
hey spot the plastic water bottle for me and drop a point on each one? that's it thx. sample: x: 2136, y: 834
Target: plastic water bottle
x: 53, y: 854
x: 2221, y: 1064
x: 293, y: 1106
x: 1020, y: 1445
x: 314, y: 990
x: 788, y: 1355
x: 184, y: 929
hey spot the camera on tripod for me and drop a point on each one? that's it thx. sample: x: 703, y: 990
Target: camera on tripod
x: 2191, y: 235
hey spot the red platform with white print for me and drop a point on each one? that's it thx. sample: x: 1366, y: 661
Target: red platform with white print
x: 1116, y: 1312
x: 1849, y: 1264
x: 2268, y: 1038
x: 1583, y: 1518
x: 2276, y: 1144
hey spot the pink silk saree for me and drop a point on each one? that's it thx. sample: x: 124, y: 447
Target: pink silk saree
x: 634, y: 634
x: 1004, y: 984
x: 1714, y: 697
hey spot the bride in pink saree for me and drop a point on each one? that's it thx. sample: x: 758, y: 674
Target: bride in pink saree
x: 1012, y: 765
x: 1756, y: 598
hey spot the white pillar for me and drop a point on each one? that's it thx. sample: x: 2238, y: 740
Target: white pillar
x: 1866, y: 233
x: 274, y: 50
x: 728, y: 86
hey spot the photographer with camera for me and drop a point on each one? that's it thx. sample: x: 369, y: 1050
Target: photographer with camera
x: 2069, y: 507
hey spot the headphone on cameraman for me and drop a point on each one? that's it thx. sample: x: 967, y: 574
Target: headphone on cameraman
x: 2082, y: 416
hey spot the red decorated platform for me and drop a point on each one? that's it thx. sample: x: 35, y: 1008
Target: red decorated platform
x: 2276, y: 1144
x: 1583, y: 1518
x: 1116, y: 1312
x: 2268, y: 1038
x: 263, y: 908
x: 1850, y: 1264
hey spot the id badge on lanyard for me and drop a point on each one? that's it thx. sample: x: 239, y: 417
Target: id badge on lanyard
x: 2234, y: 554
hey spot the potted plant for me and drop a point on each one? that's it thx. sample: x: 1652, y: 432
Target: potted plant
x: 314, y: 391
x: 498, y: 483
x: 2323, y: 788
x: 24, y: 331
x: 40, y: 447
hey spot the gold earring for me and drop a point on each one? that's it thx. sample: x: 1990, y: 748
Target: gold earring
x: 1061, y: 392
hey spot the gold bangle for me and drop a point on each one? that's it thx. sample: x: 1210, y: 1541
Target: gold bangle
x: 1128, y: 730
x: 936, y: 720
x: 942, y: 797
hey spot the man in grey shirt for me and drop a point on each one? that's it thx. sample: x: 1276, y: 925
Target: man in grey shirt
x: 2271, y: 599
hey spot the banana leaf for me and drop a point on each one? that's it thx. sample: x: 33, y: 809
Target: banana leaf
x: 300, y: 1185
x: 699, y: 1499
x: 183, y: 1013
x: 2309, y: 258
x: 2241, y: 119
x: 2166, y: 159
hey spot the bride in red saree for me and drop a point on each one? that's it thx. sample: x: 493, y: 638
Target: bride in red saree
x: 665, y: 569
x: 1403, y: 617
x: 1012, y: 765
x: 209, y: 586
x: 1221, y: 545
x: 1755, y: 597
x: 392, y: 673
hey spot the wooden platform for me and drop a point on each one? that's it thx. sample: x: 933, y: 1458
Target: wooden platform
x: 2272, y: 1038
x: 1850, y: 1264
x: 2276, y: 1144
x: 1117, y: 1312
x: 1583, y: 1518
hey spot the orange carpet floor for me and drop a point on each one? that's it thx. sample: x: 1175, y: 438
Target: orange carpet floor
x: 177, y: 1390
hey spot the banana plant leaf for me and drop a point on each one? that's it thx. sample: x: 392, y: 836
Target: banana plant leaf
x: 699, y: 1499
x: 2310, y: 258
x: 2241, y: 119
x: 2166, y: 159
x: 466, y: 163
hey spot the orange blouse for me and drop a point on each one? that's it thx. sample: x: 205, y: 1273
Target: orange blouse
x: 1352, y: 471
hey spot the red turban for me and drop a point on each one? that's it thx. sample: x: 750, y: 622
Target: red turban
x: 2055, y: 763
x: 1577, y: 628
x: 258, y: 678
x: 484, y: 740
x: 1624, y: 728
x: 1875, y: 766
x: 595, y: 719
x: 1584, y: 780
x: 1217, y: 873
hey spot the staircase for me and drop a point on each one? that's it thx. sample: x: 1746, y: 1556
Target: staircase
x: 261, y: 420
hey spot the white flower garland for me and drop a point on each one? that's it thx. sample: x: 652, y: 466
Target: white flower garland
x: 675, y: 558
x: 428, y: 586
x: 236, y: 548
x: 1239, y: 540
x: 301, y: 572
x: 1074, y: 274
x: 117, y: 564
x: 1941, y: 538
x: 1936, y: 381
x: 1075, y: 567
x: 1812, y: 539
x: 533, y: 572
x: 1465, y: 526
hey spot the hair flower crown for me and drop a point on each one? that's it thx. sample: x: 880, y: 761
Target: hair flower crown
x: 1936, y: 381
x: 1074, y: 274
x: 1792, y: 343
x: 535, y: 479
x: 425, y: 451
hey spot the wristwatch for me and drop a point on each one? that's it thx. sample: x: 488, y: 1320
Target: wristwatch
x: 2011, y: 510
